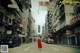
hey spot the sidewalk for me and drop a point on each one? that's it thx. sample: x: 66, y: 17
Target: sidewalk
x: 73, y: 46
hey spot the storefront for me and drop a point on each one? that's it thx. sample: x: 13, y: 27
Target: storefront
x: 71, y: 37
x: 77, y: 32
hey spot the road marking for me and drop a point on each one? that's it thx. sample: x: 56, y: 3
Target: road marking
x: 27, y: 48
x: 42, y: 51
x: 56, y: 49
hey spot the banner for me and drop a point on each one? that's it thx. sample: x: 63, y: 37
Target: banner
x: 43, y: 5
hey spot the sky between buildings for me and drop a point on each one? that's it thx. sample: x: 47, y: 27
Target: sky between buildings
x: 38, y: 14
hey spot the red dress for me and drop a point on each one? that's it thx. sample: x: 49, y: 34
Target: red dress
x: 39, y: 43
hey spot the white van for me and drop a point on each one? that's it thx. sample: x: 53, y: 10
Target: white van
x: 50, y: 40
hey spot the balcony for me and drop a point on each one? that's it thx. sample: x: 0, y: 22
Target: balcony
x: 62, y: 24
x: 62, y: 14
x: 19, y: 30
x: 74, y: 20
x: 61, y: 10
x: 11, y: 4
x: 58, y: 2
x: 26, y: 3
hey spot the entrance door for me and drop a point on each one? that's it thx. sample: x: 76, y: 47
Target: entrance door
x: 78, y: 40
x: 73, y: 40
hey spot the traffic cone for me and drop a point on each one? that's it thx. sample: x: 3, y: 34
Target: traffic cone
x: 39, y: 43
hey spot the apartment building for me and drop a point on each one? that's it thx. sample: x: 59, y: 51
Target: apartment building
x: 48, y: 19
x: 46, y: 26
x: 31, y: 27
x: 10, y: 18
x: 43, y: 31
x: 49, y: 30
x: 66, y: 28
x: 14, y: 16
x: 64, y: 19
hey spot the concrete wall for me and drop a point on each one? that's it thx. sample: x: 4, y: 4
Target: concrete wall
x: 68, y: 11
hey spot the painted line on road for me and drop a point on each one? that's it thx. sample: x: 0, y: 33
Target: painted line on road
x: 56, y: 49
x: 27, y: 48
x: 42, y: 51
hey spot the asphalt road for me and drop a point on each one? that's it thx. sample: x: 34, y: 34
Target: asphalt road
x: 47, y: 48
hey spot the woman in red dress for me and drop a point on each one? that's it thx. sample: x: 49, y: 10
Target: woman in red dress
x: 39, y: 43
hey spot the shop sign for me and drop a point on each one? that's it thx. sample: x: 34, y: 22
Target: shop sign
x: 9, y: 32
x: 20, y: 35
x: 21, y: 25
x: 68, y: 32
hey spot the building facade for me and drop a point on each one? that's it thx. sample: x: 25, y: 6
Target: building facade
x: 65, y: 22
x: 31, y: 27
x: 14, y: 15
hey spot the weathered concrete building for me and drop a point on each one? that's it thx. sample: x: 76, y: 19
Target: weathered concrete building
x: 14, y: 15
x: 65, y: 20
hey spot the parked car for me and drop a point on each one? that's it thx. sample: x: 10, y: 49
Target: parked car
x: 11, y: 41
x: 45, y: 40
x: 50, y: 40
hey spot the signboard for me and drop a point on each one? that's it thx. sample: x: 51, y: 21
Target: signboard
x: 9, y: 32
x: 20, y: 35
x: 43, y: 5
x: 21, y: 25
x: 69, y: 32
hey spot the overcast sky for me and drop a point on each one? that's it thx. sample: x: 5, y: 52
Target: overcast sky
x: 37, y: 13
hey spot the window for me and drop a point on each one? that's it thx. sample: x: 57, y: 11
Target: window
x: 1, y: 16
x: 6, y: 18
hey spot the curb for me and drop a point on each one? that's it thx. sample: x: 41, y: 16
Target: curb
x: 73, y: 46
